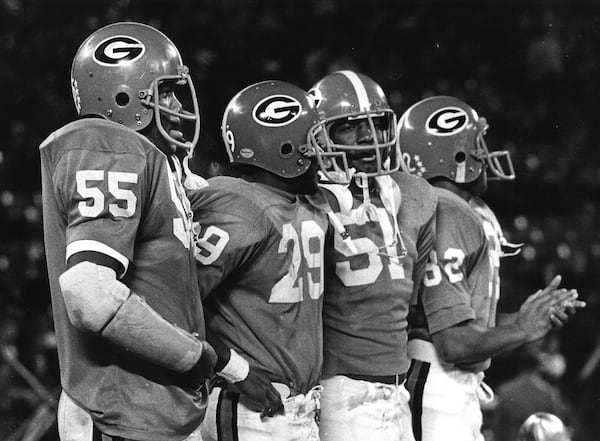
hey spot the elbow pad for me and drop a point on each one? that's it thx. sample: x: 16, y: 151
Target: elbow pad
x: 92, y: 295
x: 97, y: 302
x: 139, y: 329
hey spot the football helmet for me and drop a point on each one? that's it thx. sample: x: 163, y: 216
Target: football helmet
x: 543, y: 426
x: 116, y: 74
x: 443, y: 136
x: 267, y: 124
x: 347, y: 95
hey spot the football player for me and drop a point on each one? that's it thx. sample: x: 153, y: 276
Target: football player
x: 383, y: 223
x: 117, y: 228
x: 453, y: 333
x: 260, y: 269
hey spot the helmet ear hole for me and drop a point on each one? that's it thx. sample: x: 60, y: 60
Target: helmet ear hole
x: 460, y: 157
x: 286, y: 150
x: 122, y: 99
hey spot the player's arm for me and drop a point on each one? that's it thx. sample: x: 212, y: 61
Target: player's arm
x: 103, y: 194
x: 560, y: 313
x: 425, y: 245
x: 99, y: 303
x: 225, y: 244
x: 469, y: 342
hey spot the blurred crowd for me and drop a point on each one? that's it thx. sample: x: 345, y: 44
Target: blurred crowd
x: 531, y: 69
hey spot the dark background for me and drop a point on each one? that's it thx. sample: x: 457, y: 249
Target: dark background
x: 531, y: 68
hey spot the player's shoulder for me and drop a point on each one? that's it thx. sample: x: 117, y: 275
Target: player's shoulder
x: 413, y: 184
x: 98, y: 134
x: 455, y: 214
x: 418, y: 195
x: 451, y: 204
x: 231, y: 195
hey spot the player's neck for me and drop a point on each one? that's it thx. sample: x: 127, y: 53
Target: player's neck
x: 291, y: 186
x: 152, y: 133
x: 454, y: 188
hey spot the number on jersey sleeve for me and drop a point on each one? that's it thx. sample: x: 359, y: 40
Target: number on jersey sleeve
x: 107, y: 191
x: 124, y: 200
x: 451, y: 265
x: 210, y: 243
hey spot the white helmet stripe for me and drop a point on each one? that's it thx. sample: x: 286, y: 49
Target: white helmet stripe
x: 461, y: 172
x: 359, y: 89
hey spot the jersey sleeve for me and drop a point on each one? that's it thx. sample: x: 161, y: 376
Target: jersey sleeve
x: 227, y: 237
x: 102, y: 195
x: 454, y: 270
x: 425, y: 244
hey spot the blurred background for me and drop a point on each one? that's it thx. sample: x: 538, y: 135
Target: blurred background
x: 532, y: 68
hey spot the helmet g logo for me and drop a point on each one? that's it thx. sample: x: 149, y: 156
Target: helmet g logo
x: 119, y: 49
x: 276, y: 110
x: 446, y: 121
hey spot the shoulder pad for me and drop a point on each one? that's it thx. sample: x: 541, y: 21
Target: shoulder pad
x: 237, y: 196
x: 452, y: 206
x: 101, y: 135
x: 47, y: 141
x: 419, y: 201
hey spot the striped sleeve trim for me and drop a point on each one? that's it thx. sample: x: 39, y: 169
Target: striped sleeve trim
x: 92, y: 245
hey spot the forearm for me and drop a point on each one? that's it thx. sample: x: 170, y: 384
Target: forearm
x: 97, y: 302
x: 140, y: 330
x: 471, y: 343
x: 504, y: 319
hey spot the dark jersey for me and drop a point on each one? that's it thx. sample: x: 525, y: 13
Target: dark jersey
x: 462, y: 278
x: 260, y: 267
x: 486, y: 304
x: 107, y: 189
x: 369, y: 289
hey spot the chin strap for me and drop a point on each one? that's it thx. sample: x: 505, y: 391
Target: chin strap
x: 391, y: 197
x: 366, y: 211
x: 318, y: 200
x: 192, y: 181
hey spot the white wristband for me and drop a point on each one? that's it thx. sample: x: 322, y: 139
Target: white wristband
x: 236, y: 369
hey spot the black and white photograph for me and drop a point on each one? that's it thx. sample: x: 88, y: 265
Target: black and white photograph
x: 300, y: 220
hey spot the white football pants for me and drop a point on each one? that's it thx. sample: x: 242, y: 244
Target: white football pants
x: 228, y: 418
x: 355, y: 410
x: 445, y: 400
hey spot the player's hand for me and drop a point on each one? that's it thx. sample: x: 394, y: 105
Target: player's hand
x: 204, y: 367
x: 262, y: 396
x: 535, y: 315
x: 560, y: 313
